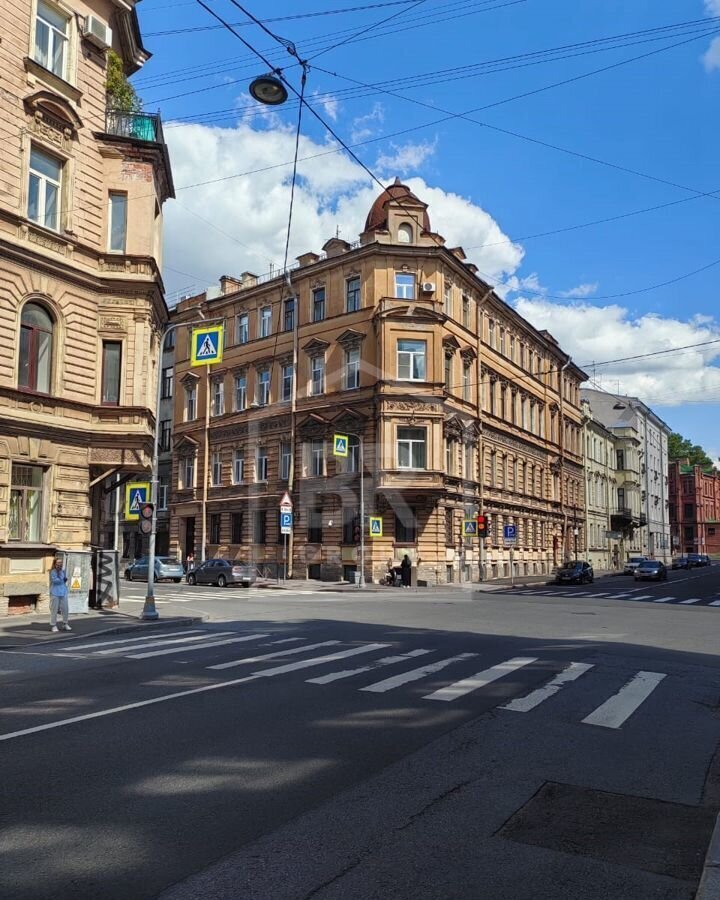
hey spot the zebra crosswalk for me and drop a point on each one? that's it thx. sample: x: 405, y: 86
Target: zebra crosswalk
x: 167, y: 595
x: 631, y: 594
x: 424, y: 674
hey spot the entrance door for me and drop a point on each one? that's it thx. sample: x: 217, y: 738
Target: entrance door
x: 189, y: 537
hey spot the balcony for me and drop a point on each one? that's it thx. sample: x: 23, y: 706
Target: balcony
x: 624, y: 517
x: 136, y: 126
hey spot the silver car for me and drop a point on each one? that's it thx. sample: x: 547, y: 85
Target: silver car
x: 223, y: 572
x: 166, y: 568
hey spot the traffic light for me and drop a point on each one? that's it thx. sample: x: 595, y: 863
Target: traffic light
x: 146, y: 514
x: 357, y: 530
x: 482, y: 526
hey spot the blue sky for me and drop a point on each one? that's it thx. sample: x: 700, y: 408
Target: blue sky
x: 655, y: 115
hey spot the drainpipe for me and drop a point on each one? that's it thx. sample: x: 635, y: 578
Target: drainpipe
x: 480, y: 451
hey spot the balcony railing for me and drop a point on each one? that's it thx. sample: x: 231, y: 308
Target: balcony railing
x: 138, y: 126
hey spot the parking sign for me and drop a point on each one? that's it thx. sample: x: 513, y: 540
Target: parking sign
x: 509, y: 534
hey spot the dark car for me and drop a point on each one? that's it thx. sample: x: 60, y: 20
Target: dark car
x: 681, y: 562
x: 223, y: 572
x: 651, y: 570
x: 166, y: 568
x: 576, y: 572
x: 697, y: 559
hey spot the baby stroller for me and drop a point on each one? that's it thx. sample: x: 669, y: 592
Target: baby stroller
x: 393, y: 577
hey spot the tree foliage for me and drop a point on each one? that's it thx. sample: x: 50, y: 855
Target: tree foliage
x: 681, y: 448
x: 119, y: 92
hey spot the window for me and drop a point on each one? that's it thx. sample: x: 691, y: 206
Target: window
x: 236, y: 528
x: 166, y: 390
x: 263, y: 387
x: 44, y: 189
x: 512, y: 347
x: 411, y: 360
x: 111, y: 363
x: 260, y: 526
x: 26, y: 484
x: 502, y: 341
x: 117, y: 229
x: 317, y: 457
x: 688, y: 510
x: 35, y: 351
x: 51, y: 39
x: 449, y: 457
x: 165, y: 432
x: 289, y: 314
x: 448, y: 372
x: 265, y: 321
x: 162, y: 495
x: 315, y: 525
x: 404, y: 286
x: 491, y: 333
x: 466, y: 386
x: 317, y: 375
x: 318, y: 304
x: 216, y: 470
x: 284, y: 460
x: 218, y: 398
x: 469, y: 473
x: 261, y: 464
x: 242, y: 330
x: 448, y: 299
x: 620, y: 459
x: 466, y: 311
x: 352, y: 368
x: 287, y: 382
x: 240, y: 392
x: 169, y: 343
x: 190, y: 402
x: 352, y: 294
x: 238, y: 466
x: 406, y: 526
x: 411, y: 453
x: 215, y: 521
x: 187, y: 473
x: 351, y: 526
x: 352, y: 462
x: 449, y: 528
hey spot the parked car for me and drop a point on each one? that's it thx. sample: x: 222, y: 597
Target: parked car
x: 575, y: 571
x: 223, y: 572
x: 632, y: 564
x: 697, y: 559
x: 681, y: 562
x: 652, y: 570
x: 166, y: 569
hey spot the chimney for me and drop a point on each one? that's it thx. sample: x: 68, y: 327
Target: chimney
x: 228, y: 284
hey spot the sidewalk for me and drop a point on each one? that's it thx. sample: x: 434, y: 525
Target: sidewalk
x: 24, y: 631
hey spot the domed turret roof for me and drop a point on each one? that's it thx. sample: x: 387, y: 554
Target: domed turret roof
x: 377, y: 217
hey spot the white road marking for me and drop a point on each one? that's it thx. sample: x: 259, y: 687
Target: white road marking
x: 284, y: 641
x: 380, y: 687
x: 317, y: 660
x: 275, y: 655
x: 385, y: 661
x: 617, y: 596
x: 535, y: 698
x: 468, y: 685
x: 643, y: 597
x: 164, y: 643
x: 662, y: 599
x: 693, y: 600
x: 714, y: 603
x: 613, y: 712
x: 147, y: 637
x: 201, y: 646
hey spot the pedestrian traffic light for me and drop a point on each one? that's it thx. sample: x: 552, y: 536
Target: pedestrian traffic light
x: 357, y: 531
x: 146, y: 513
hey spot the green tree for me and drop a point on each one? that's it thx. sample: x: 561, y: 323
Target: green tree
x: 681, y: 448
x: 119, y: 92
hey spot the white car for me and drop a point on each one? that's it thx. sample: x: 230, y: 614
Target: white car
x: 632, y: 564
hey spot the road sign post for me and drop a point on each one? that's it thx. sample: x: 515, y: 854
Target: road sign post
x: 509, y: 540
x: 376, y: 526
x: 341, y: 448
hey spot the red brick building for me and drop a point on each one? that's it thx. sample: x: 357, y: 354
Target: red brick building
x: 694, y: 494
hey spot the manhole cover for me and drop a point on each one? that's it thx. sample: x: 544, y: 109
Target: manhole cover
x: 666, y: 838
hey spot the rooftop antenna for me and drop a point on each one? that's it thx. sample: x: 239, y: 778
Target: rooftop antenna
x: 337, y: 232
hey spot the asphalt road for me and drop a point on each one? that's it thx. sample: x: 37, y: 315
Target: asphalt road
x: 451, y: 744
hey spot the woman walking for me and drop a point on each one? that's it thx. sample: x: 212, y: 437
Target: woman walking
x: 58, y: 596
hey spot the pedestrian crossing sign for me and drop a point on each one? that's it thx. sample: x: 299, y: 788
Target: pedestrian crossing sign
x: 207, y: 345
x: 376, y: 526
x: 136, y: 493
x: 340, y: 445
x: 470, y: 528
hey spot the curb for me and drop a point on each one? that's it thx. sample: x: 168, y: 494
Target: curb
x: 180, y: 622
x: 709, y: 887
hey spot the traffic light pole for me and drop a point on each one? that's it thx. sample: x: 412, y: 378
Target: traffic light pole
x: 361, y: 585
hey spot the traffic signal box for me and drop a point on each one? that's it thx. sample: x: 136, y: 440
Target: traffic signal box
x: 483, y: 526
x: 145, y: 520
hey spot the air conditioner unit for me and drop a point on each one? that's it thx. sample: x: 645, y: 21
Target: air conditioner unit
x: 428, y: 287
x: 97, y: 32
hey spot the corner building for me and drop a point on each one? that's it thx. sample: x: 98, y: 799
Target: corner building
x: 461, y: 406
x: 81, y: 297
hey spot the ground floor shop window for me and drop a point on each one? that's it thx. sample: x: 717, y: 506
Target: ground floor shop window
x: 406, y: 526
x: 26, y: 485
x: 215, y: 528
x: 315, y: 526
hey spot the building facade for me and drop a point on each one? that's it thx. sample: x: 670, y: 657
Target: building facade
x: 454, y: 402
x: 639, y: 515
x: 601, y: 543
x: 81, y: 296
x: 694, y: 508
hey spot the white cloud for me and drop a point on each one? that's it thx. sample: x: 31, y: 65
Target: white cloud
x: 330, y: 105
x: 582, y: 290
x: 405, y: 157
x: 592, y: 333
x: 711, y: 57
x: 712, y: 7
x: 332, y: 192
x: 364, y: 127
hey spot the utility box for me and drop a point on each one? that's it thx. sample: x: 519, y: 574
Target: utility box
x: 107, y: 578
x: 78, y: 568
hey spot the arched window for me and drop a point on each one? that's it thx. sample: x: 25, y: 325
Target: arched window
x: 36, y: 339
x: 405, y: 233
